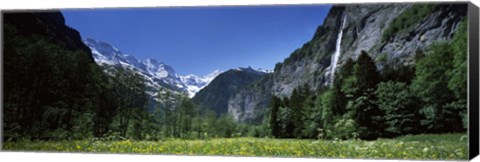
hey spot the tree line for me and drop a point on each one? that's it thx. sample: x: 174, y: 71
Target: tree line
x: 365, y: 102
x: 53, y: 91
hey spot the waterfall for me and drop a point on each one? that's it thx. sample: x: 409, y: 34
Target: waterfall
x: 336, y: 55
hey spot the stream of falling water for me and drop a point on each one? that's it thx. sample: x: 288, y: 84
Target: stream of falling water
x: 336, y: 55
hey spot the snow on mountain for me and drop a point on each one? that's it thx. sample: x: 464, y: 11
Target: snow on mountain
x: 195, y: 83
x: 265, y: 70
x: 250, y: 69
x: 157, y: 74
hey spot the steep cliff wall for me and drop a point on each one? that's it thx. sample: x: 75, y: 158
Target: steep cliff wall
x: 393, y: 31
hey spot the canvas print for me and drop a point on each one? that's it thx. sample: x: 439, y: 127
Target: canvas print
x: 369, y: 81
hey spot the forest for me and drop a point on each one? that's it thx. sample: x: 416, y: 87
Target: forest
x: 56, y: 92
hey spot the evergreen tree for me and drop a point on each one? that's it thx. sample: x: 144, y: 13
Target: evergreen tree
x: 327, y: 104
x: 186, y: 112
x: 394, y: 70
x: 366, y: 72
x: 431, y: 87
x: 286, y: 122
x: 275, y: 104
x: 340, y: 99
x: 107, y: 104
x: 308, y: 120
x: 297, y: 101
x: 459, y: 74
x: 400, y: 106
x: 360, y: 89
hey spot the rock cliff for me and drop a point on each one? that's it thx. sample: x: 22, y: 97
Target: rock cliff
x: 394, y: 31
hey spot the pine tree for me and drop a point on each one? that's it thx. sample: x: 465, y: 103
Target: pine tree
x: 431, y: 87
x: 367, y: 115
x: 459, y: 74
x: 400, y: 106
x: 366, y: 72
x: 275, y: 104
x: 340, y: 99
x: 296, y: 104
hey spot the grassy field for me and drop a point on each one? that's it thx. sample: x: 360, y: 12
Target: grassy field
x: 445, y: 146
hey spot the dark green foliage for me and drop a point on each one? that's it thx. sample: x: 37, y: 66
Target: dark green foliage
x: 394, y: 70
x: 311, y: 117
x: 226, y: 126
x: 306, y: 51
x: 300, y: 101
x: 49, y: 85
x: 130, y: 92
x: 367, y: 115
x: 296, y: 107
x: 275, y: 104
x: 183, y: 119
x: 127, y: 102
x: 349, y: 87
x: 407, y: 19
x: 326, y: 103
x: 458, y: 74
x: 321, y: 121
x: 431, y: 86
x: 339, y: 97
x: 371, y: 110
x: 306, y: 116
x: 204, y: 124
x: 341, y: 128
x: 400, y: 106
x: 281, y: 122
x: 54, y: 90
x: 366, y: 72
x: 359, y: 88
x: 186, y: 111
x: 162, y: 110
x: 278, y: 65
x: 285, y: 120
x: 106, y: 101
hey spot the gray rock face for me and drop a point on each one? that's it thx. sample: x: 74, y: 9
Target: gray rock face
x: 366, y: 24
x: 215, y: 96
x: 307, y: 64
x: 438, y: 26
x: 363, y: 30
x: 250, y: 103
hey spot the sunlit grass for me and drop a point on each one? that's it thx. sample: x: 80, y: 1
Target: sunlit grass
x: 447, y: 146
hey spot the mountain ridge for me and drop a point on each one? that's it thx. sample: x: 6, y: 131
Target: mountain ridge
x: 156, y: 72
x: 215, y: 96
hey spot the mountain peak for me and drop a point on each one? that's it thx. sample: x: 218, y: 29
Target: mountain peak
x: 157, y: 73
x: 152, y: 61
x: 196, y: 83
x: 252, y: 70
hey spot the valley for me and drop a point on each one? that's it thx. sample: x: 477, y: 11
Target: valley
x: 375, y: 81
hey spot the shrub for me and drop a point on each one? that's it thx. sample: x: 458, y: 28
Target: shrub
x: 406, y: 20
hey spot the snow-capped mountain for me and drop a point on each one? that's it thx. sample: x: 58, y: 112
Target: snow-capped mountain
x: 195, y: 83
x: 265, y: 70
x: 250, y: 69
x: 157, y: 73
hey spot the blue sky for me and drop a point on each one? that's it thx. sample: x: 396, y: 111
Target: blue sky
x: 199, y: 40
